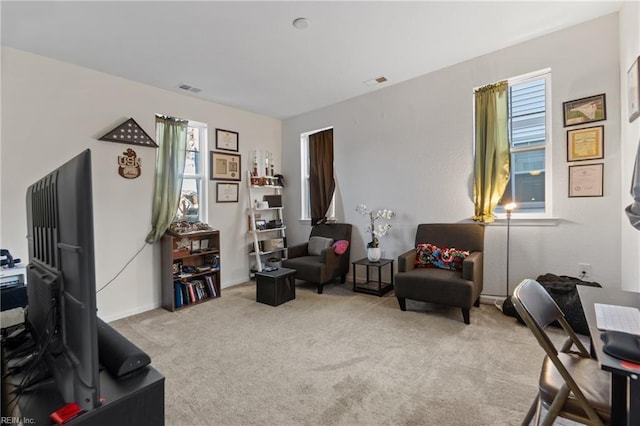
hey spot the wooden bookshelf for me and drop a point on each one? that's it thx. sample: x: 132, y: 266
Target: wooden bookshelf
x: 190, y: 269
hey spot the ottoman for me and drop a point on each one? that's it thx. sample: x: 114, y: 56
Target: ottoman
x: 276, y: 287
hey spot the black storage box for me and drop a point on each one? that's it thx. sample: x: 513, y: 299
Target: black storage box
x: 274, y: 224
x: 273, y: 200
x: 275, y: 287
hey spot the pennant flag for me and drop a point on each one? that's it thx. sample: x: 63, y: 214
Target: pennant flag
x: 129, y: 132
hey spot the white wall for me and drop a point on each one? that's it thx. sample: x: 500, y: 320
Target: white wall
x: 409, y: 147
x: 629, y: 140
x: 53, y: 110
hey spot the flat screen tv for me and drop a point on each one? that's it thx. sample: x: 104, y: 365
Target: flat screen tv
x: 61, y: 314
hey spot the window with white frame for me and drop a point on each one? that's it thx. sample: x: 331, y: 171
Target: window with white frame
x: 305, y: 199
x: 530, y: 144
x: 193, y: 198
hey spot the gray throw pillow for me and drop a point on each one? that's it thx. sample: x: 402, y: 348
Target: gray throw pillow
x: 317, y: 244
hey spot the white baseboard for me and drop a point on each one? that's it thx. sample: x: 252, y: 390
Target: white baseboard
x: 491, y: 300
x: 131, y: 312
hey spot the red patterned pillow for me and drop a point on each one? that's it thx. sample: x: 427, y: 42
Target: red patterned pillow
x: 431, y: 256
x: 341, y: 246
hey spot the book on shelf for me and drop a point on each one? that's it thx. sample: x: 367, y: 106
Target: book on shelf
x: 186, y: 300
x: 177, y: 287
x: 202, y: 293
x: 211, y: 285
x: 189, y: 293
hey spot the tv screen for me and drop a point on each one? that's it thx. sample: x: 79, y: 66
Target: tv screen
x: 61, y: 314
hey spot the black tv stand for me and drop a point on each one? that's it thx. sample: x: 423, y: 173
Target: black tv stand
x: 136, y: 399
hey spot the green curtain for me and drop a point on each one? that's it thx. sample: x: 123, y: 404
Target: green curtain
x: 492, y: 153
x: 171, y: 134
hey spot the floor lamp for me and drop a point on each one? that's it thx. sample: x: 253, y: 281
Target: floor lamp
x: 508, y: 208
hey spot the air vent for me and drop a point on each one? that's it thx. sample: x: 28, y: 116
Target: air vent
x: 375, y: 81
x: 189, y: 88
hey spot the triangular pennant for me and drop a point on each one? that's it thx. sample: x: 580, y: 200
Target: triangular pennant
x: 129, y: 132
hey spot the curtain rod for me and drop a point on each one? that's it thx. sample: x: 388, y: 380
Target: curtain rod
x: 168, y: 117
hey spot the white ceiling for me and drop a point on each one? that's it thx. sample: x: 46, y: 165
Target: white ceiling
x: 248, y: 54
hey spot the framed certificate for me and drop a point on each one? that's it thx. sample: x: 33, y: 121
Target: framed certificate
x: 227, y: 140
x: 585, y: 144
x: 586, y: 181
x: 226, y: 192
x: 225, y: 166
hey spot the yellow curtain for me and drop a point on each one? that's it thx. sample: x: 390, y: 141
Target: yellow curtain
x: 492, y: 156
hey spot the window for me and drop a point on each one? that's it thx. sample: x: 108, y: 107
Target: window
x: 305, y: 206
x: 192, y: 206
x: 529, y: 124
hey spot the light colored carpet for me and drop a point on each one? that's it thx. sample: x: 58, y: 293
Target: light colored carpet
x: 340, y: 358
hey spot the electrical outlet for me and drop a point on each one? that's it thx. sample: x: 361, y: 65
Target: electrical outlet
x: 584, y: 270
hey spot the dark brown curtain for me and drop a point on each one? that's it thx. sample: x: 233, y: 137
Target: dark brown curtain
x: 321, y: 182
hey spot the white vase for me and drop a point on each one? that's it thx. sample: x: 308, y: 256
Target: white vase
x: 373, y: 254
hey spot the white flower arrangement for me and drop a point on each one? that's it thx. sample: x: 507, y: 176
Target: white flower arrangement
x: 382, y: 228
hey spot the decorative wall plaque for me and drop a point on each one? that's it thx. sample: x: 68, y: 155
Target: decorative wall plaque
x: 129, y: 164
x: 129, y: 132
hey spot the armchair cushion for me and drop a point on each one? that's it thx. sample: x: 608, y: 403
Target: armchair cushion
x: 317, y: 244
x: 432, y: 256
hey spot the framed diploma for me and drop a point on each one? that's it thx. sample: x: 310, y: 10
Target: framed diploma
x: 226, y: 192
x: 586, y: 181
x: 227, y: 140
x: 225, y: 166
x: 585, y: 144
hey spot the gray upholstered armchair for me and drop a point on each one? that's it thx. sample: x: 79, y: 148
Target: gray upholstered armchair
x: 316, y: 261
x: 448, y: 287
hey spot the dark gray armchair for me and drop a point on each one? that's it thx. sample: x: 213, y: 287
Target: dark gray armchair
x: 324, y: 266
x: 453, y: 288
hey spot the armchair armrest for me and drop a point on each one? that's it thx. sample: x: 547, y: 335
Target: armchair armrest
x: 472, y: 267
x: 405, y: 261
x: 297, y: 250
x: 329, y: 257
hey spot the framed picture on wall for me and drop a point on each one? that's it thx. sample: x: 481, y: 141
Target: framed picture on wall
x: 633, y: 90
x: 586, y: 181
x: 225, y: 166
x: 227, y: 140
x: 585, y: 144
x: 226, y: 192
x: 584, y: 110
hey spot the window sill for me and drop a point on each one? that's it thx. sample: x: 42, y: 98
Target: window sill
x: 528, y: 221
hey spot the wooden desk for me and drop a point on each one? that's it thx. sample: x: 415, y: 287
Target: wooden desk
x: 625, y: 382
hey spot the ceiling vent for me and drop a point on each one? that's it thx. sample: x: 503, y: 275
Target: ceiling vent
x: 189, y: 88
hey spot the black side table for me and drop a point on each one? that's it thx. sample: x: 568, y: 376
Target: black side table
x: 379, y: 287
x: 276, y: 287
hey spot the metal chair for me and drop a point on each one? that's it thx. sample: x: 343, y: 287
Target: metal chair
x: 571, y: 383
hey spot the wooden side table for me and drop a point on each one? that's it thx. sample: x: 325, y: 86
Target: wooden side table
x: 379, y: 287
